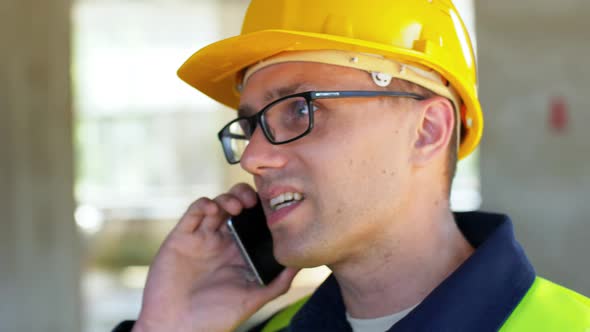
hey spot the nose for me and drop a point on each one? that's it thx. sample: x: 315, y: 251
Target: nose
x: 261, y: 156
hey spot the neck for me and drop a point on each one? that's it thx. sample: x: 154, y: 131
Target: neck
x: 397, y: 272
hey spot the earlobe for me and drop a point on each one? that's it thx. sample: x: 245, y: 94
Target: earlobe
x: 434, y: 130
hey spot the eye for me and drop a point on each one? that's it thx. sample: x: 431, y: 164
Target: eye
x: 299, y: 108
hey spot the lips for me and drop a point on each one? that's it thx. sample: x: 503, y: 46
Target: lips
x: 280, y: 201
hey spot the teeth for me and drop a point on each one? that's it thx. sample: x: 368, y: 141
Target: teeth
x: 284, y: 199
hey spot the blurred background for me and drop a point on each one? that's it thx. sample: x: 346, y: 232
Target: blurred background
x: 102, y: 147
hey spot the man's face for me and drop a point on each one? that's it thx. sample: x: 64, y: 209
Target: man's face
x: 352, y: 170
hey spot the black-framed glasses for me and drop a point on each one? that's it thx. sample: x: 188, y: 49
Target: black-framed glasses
x: 286, y: 119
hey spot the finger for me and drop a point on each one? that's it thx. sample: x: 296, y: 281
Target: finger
x: 194, y: 215
x: 230, y: 203
x: 245, y: 194
x: 279, y: 286
x: 216, y: 216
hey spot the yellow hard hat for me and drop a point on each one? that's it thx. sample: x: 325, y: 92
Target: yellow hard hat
x: 428, y: 33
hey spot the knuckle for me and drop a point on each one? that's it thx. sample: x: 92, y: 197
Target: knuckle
x: 225, y: 198
x: 200, y: 203
x: 241, y: 188
x: 245, y: 192
x: 229, y: 202
x: 213, y: 208
x: 203, y: 204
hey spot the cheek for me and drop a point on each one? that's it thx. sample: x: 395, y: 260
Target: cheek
x: 363, y: 144
x: 358, y: 169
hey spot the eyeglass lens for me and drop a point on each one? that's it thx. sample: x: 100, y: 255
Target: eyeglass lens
x: 282, y: 121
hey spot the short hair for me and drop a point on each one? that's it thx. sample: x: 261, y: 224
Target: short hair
x: 451, y: 170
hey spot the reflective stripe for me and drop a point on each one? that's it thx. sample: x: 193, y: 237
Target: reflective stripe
x: 283, y: 318
x: 550, y: 307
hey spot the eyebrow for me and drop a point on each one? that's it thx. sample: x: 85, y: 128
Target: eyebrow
x: 247, y: 110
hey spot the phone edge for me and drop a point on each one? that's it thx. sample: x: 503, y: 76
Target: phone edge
x: 243, y: 251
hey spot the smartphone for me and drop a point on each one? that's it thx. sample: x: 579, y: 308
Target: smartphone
x: 251, y: 233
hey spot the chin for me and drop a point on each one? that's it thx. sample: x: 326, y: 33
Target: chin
x: 299, y: 256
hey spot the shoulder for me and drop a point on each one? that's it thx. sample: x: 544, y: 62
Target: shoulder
x: 550, y: 307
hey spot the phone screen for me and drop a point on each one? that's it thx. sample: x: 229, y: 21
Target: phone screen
x: 255, y: 242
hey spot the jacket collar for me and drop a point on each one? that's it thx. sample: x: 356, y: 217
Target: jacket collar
x: 479, y: 296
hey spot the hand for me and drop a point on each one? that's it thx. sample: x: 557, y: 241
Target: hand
x: 197, y: 281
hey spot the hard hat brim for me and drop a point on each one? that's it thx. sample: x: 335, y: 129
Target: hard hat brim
x: 214, y: 70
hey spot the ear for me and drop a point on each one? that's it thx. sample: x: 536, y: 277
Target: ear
x: 433, y: 132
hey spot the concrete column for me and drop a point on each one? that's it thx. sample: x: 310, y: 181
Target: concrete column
x: 534, y: 78
x: 39, y: 251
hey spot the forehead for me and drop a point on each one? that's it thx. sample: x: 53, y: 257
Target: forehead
x: 283, y: 79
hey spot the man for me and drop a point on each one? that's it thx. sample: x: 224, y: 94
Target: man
x: 351, y: 119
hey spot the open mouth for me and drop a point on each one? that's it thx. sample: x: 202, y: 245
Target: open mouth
x: 285, y: 199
